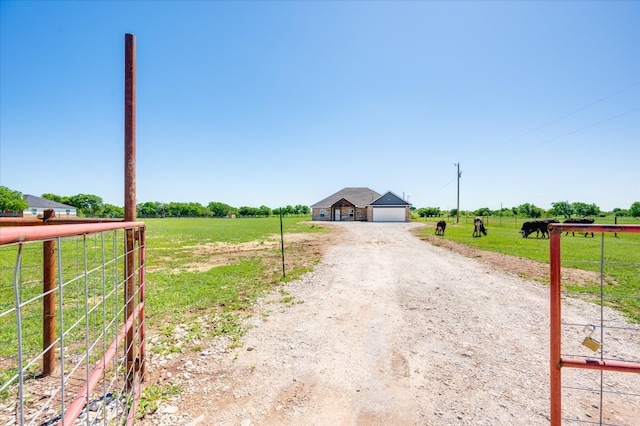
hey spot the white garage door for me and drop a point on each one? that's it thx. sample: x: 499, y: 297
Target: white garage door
x: 388, y: 214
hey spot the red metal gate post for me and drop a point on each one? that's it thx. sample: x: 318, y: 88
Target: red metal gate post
x: 555, y: 328
x: 141, y: 286
x: 48, y: 306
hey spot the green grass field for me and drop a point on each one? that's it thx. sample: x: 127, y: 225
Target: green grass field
x: 620, y: 264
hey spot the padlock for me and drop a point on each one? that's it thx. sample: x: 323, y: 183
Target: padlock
x: 589, y: 341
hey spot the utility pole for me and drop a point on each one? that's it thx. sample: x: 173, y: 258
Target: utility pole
x: 458, y: 208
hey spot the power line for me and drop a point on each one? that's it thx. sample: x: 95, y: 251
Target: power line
x: 555, y: 120
x: 577, y: 130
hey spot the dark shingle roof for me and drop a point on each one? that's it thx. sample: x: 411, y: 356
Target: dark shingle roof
x: 43, y: 203
x: 389, y: 199
x: 360, y: 197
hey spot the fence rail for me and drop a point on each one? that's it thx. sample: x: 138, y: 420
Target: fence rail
x: 71, y: 323
x: 607, y: 339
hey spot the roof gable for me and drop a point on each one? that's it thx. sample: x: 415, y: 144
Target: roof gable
x: 389, y: 199
x: 359, y: 197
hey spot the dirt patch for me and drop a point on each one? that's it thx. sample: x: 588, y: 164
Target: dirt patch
x: 301, y: 250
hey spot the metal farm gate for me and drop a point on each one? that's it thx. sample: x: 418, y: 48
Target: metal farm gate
x: 71, y: 323
x: 595, y: 347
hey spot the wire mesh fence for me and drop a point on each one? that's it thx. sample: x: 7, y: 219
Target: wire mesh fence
x: 595, y: 356
x: 71, y: 323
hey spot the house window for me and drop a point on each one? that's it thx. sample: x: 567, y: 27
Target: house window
x: 350, y: 212
x: 34, y: 211
x: 321, y: 212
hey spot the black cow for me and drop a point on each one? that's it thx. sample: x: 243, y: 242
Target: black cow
x: 536, y: 226
x: 478, y: 227
x: 440, y: 227
x: 579, y: 220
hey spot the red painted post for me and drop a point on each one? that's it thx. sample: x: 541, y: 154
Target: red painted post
x: 130, y: 194
x: 555, y: 319
x: 141, y: 287
x: 48, y: 306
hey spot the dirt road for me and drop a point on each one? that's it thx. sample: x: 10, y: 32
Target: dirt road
x: 390, y: 330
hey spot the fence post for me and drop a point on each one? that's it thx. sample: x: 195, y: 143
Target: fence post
x: 130, y: 195
x: 141, y: 286
x: 130, y: 305
x: 48, y: 306
x: 555, y: 357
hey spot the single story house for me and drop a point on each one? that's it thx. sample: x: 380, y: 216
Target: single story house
x: 361, y: 204
x: 38, y: 205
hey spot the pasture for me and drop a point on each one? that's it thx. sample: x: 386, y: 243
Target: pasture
x: 219, y: 267
x: 617, y: 257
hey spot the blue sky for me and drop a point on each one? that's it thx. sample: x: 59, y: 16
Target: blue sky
x: 275, y: 103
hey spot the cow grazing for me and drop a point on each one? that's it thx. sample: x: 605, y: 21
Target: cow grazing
x: 579, y: 220
x: 440, y: 227
x: 478, y: 227
x: 537, y: 226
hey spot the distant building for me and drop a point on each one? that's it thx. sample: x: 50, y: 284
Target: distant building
x: 38, y: 205
x: 361, y: 204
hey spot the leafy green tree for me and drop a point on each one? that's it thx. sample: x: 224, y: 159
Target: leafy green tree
x: 530, y: 210
x: 109, y: 210
x: 483, y: 211
x: 148, y: 209
x: 562, y: 208
x: 429, y: 212
x: 584, y: 209
x: 634, y: 210
x: 300, y: 209
x: 221, y: 209
x: 87, y: 204
x: 12, y: 201
x: 248, y: 211
x: 264, y: 211
x: 453, y: 212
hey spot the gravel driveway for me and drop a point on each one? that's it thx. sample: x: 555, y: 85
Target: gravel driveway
x: 390, y: 330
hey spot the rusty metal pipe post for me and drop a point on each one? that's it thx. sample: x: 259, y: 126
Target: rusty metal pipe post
x: 130, y: 128
x: 555, y: 319
x: 48, y: 306
x: 130, y: 193
x: 142, y: 366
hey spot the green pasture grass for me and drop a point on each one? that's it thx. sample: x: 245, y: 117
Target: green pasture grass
x: 170, y: 232
x: 218, y: 294
x: 620, y: 265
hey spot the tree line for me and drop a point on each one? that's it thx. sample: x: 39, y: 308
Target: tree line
x: 213, y: 209
x: 559, y: 209
x: 89, y: 205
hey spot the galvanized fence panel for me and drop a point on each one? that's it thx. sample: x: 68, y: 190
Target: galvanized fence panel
x: 71, y: 323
